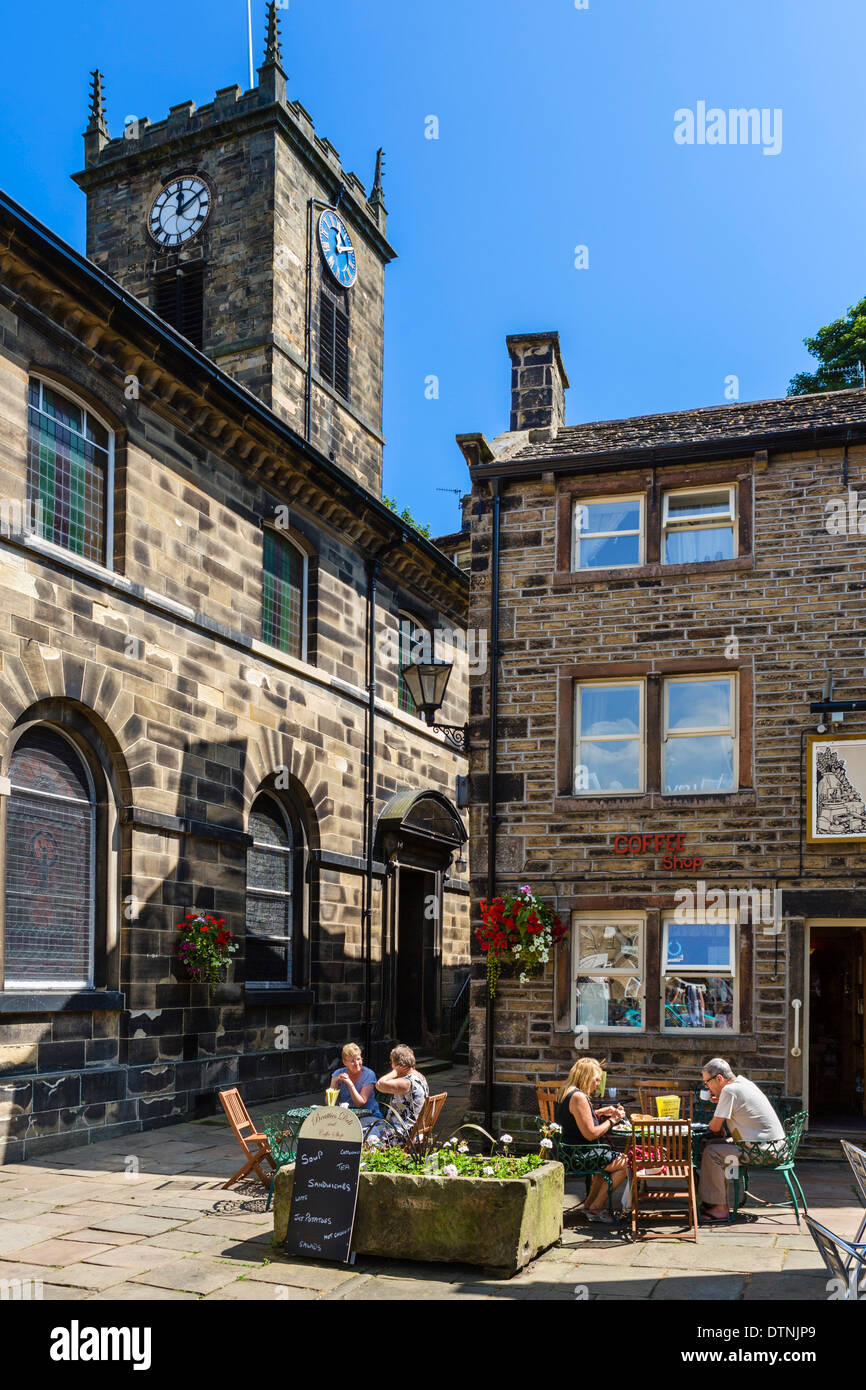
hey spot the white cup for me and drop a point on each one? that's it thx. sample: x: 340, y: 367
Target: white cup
x: 705, y: 1095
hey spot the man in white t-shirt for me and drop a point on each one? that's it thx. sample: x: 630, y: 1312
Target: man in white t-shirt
x: 751, y: 1119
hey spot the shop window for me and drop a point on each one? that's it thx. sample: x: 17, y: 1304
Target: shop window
x: 608, y: 533
x: 608, y: 951
x: 699, y: 734
x: 69, y: 466
x: 273, y: 887
x: 609, y: 738
x: 284, y: 595
x: 50, y: 866
x: 698, y: 524
x: 699, y: 975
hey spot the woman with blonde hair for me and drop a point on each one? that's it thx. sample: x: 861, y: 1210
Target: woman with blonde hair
x: 585, y: 1127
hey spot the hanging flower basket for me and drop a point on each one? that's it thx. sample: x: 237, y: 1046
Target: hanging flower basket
x: 205, y: 947
x: 520, y: 930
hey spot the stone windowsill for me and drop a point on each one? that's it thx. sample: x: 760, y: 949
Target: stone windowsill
x: 569, y: 579
x: 47, y: 1001
x: 280, y: 997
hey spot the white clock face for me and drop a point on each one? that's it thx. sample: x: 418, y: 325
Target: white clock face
x: 179, y: 211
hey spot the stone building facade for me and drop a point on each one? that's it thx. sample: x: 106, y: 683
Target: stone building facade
x: 192, y: 593
x: 672, y: 597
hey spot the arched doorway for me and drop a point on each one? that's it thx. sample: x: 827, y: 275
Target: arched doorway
x: 418, y: 833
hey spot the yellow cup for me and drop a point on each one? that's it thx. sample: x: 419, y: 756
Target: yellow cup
x: 331, y: 1096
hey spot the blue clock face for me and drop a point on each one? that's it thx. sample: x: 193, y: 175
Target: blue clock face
x: 337, y: 248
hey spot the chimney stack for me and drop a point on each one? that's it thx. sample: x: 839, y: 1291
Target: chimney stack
x: 538, y: 381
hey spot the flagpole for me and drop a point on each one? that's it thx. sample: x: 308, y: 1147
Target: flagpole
x: 250, y: 37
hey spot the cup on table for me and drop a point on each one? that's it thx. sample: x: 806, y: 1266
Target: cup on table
x: 611, y: 1090
x: 705, y: 1095
x: 331, y: 1096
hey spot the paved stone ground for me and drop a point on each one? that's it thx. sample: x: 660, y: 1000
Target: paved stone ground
x: 144, y: 1217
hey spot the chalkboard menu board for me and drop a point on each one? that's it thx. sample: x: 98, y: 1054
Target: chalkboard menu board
x: 325, y: 1190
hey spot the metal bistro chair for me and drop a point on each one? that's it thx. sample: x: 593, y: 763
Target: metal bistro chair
x: 282, y: 1136
x: 777, y: 1157
x: 857, y: 1158
x: 845, y: 1261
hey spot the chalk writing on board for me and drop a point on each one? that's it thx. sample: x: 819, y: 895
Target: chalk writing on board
x: 325, y: 1187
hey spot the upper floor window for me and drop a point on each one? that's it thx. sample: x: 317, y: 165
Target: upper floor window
x: 609, y: 737
x: 284, y: 595
x: 70, y: 457
x: 608, y: 533
x: 273, y: 885
x: 333, y: 343
x: 50, y: 896
x: 699, y: 974
x: 698, y: 524
x: 416, y: 644
x: 699, y: 734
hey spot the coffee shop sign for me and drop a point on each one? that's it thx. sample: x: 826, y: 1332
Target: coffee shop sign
x: 671, y: 845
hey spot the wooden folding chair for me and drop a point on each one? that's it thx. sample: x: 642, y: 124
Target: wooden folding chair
x: 662, y: 1145
x: 649, y: 1091
x: 424, y: 1128
x: 238, y: 1118
x: 546, y: 1093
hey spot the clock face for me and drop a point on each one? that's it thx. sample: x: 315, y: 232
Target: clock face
x: 179, y: 211
x: 337, y: 248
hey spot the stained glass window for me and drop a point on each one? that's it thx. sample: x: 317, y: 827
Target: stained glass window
x: 68, y: 457
x: 270, y: 907
x: 283, y: 584
x: 49, y: 866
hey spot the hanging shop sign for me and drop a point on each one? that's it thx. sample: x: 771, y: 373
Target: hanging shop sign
x: 836, y: 789
x: 670, y: 845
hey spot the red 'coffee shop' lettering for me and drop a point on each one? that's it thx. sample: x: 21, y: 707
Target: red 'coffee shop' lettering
x: 654, y: 844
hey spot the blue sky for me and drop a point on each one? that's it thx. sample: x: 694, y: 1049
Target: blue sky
x: 555, y: 131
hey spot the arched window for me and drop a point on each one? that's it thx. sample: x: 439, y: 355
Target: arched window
x: 274, y: 885
x: 50, y: 890
x: 69, y: 463
x: 284, y: 595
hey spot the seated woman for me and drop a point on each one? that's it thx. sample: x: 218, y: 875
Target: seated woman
x: 357, y: 1084
x: 407, y: 1088
x: 584, y: 1126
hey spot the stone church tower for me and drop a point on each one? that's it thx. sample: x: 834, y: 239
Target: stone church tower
x: 237, y: 224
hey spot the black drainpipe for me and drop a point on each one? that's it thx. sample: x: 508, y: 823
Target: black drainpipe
x: 492, y: 817
x: 373, y: 567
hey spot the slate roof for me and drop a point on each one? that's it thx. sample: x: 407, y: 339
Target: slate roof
x: 747, y: 421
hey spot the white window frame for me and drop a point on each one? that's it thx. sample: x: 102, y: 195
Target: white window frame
x: 687, y: 973
x: 577, y: 535
x: 704, y: 523
x: 305, y: 592
x: 637, y: 919
x: 639, y: 737
x: 731, y: 731
x: 418, y: 625
x: 62, y: 390
x: 31, y: 986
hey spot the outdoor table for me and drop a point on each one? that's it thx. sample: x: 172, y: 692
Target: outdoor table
x: 283, y: 1128
x: 622, y: 1134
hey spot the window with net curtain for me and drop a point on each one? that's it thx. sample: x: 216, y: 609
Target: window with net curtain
x: 284, y: 595
x: 69, y: 456
x: 271, y: 905
x: 50, y: 833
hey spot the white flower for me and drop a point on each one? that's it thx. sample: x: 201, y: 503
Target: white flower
x: 463, y: 1148
x: 488, y: 1172
x: 505, y: 1139
x: 547, y: 1143
x: 452, y: 1140
x: 450, y: 1170
x: 554, y: 1127
x: 372, y: 1141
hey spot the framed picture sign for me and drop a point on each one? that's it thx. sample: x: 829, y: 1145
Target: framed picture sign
x: 836, y: 789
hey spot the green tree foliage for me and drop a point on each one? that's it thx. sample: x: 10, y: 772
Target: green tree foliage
x: 406, y: 516
x: 840, y: 349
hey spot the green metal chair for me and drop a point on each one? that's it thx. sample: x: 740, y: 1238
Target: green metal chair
x: 282, y: 1134
x: 776, y: 1158
x: 583, y: 1161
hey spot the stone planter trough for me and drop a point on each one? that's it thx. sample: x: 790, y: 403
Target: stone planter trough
x: 500, y: 1223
